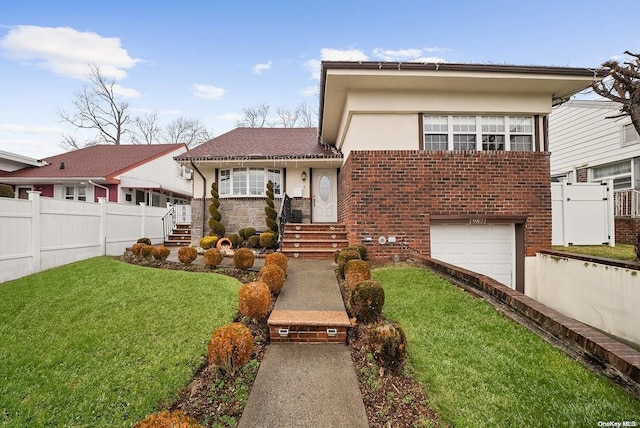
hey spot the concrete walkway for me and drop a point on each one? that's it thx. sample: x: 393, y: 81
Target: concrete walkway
x: 306, y: 385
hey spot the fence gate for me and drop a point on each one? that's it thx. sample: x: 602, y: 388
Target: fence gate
x: 582, y: 214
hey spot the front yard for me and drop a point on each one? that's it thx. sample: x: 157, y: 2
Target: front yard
x: 619, y: 252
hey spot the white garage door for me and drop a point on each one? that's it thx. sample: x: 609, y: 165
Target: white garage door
x: 488, y: 249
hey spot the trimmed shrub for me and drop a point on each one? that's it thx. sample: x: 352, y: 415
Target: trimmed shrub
x: 273, y: 276
x: 208, y: 242
x: 253, y: 241
x: 269, y: 210
x: 248, y: 232
x: 367, y: 299
x: 161, y: 252
x: 217, y: 228
x: 212, y: 257
x: 166, y: 418
x: 236, y: 240
x: 336, y: 253
x: 277, y: 259
x: 254, y: 300
x: 136, y: 248
x: 362, y: 250
x: 144, y: 241
x: 146, y: 252
x: 186, y: 255
x: 243, y: 258
x: 230, y: 347
x: 6, y: 191
x: 268, y: 240
x: 388, y: 345
x: 344, y: 256
x: 356, y: 271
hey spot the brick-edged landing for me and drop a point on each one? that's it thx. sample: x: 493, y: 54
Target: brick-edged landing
x: 308, y: 326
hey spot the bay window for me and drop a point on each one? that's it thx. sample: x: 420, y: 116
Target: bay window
x: 248, y: 181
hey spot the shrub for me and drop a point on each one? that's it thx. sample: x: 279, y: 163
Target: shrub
x: 268, y: 240
x: 273, y: 276
x: 269, y: 211
x: 356, y: 271
x: 174, y: 419
x: 253, y: 241
x: 6, y: 191
x: 161, y: 252
x: 243, y: 258
x: 362, y: 250
x: 136, y: 248
x: 277, y: 259
x: 344, y: 256
x: 230, y: 347
x: 336, y: 253
x: 367, y: 299
x: 208, y: 241
x: 236, y: 240
x: 187, y: 255
x: 217, y: 228
x: 388, y: 345
x: 254, y: 300
x: 248, y: 232
x: 146, y: 252
x: 144, y: 241
x: 212, y: 257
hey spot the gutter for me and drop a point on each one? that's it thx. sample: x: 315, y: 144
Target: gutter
x: 204, y: 195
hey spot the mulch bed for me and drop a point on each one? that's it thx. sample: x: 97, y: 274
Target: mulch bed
x: 390, y: 399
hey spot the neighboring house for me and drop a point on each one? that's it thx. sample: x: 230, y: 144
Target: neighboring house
x: 449, y: 160
x: 128, y: 174
x: 586, y: 146
x: 12, y: 162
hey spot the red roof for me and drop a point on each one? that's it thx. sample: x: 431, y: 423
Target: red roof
x: 99, y: 161
x: 263, y: 143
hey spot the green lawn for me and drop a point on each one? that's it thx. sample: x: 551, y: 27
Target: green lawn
x: 619, y: 252
x: 104, y: 343
x: 481, y: 369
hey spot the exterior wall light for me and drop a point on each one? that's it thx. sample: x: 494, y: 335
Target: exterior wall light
x: 304, y: 176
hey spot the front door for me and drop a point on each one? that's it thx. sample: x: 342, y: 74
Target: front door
x: 325, y: 195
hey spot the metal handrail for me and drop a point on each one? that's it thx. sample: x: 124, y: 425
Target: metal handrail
x: 177, y: 214
x: 626, y: 203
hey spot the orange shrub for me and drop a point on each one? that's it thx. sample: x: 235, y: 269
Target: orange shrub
x: 273, y: 276
x: 161, y: 252
x: 146, y: 251
x: 230, y: 347
x: 175, y: 419
x: 243, y: 258
x: 187, y: 255
x: 277, y: 258
x: 356, y: 271
x: 212, y: 257
x: 135, y: 249
x: 254, y: 300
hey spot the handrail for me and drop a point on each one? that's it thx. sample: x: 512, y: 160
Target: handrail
x: 285, y: 214
x: 169, y: 222
x: 626, y: 203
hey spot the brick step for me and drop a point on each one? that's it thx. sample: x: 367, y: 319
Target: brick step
x: 315, y: 234
x: 294, y: 244
x: 308, y: 326
x: 314, y: 227
x: 310, y: 253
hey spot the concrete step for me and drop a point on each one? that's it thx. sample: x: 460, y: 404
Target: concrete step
x: 308, y: 326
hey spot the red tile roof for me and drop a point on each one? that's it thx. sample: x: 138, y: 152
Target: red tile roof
x: 100, y: 161
x: 263, y: 143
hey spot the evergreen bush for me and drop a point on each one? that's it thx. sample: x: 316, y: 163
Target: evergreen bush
x: 367, y: 300
x: 208, y: 242
x: 6, y: 191
x: 166, y: 418
x: 186, y: 255
x: 273, y: 276
x: 344, y: 256
x: 236, y: 240
x: 356, y: 271
x: 254, y: 300
x: 269, y: 210
x: 268, y: 240
x: 230, y: 347
x: 217, y: 228
x: 253, y: 241
x: 144, y: 241
x: 388, y: 344
x: 277, y: 259
x: 212, y: 257
x: 161, y: 252
x: 243, y: 258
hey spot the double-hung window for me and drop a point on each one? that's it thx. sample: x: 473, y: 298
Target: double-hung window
x: 248, y: 181
x: 619, y: 172
x: 478, y: 132
x: 75, y: 193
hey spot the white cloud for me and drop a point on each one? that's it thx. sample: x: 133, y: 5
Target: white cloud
x: 21, y: 129
x: 408, y: 55
x: 66, y: 51
x: 208, y: 92
x: 429, y: 59
x: 309, y: 91
x: 125, y: 92
x: 230, y: 117
x: 259, y: 68
x: 328, y: 54
x: 313, y: 66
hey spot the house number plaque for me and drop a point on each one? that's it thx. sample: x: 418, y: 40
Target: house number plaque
x: 478, y: 221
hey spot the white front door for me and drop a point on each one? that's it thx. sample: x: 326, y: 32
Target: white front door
x: 325, y: 195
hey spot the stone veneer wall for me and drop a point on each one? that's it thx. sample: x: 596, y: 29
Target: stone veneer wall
x: 395, y: 192
x: 238, y: 213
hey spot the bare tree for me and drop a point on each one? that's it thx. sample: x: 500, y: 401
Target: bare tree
x: 307, y: 116
x: 255, y: 117
x: 146, y: 129
x: 188, y: 131
x: 287, y: 118
x: 622, y: 84
x: 98, y: 108
x: 69, y: 142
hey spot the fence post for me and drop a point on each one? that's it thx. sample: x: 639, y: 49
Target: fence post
x: 611, y: 218
x: 103, y: 224
x: 36, y: 243
x: 563, y: 192
x: 143, y: 217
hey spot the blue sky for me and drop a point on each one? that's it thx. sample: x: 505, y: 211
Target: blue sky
x: 208, y: 60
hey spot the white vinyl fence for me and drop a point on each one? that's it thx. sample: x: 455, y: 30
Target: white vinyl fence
x: 42, y: 233
x: 582, y: 214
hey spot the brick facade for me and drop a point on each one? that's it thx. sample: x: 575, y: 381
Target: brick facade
x: 395, y: 193
x: 582, y: 175
x: 627, y: 230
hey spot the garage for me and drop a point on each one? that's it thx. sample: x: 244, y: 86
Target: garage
x: 488, y: 249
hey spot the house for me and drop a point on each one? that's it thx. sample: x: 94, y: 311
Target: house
x: 588, y: 146
x: 449, y: 160
x: 128, y: 174
x: 12, y: 161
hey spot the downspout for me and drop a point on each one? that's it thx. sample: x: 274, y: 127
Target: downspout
x: 204, y: 195
x: 102, y: 187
